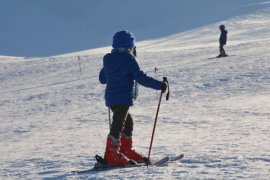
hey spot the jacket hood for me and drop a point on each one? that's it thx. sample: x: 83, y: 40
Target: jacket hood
x: 116, y: 59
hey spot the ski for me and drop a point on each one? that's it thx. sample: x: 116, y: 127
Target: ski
x: 221, y: 57
x: 103, y: 167
x: 99, y: 166
x: 176, y: 158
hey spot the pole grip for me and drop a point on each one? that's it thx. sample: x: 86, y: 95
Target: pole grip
x: 168, y: 93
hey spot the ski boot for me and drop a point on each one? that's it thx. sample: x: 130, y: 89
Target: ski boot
x: 113, y: 156
x: 126, y: 149
x: 222, y: 55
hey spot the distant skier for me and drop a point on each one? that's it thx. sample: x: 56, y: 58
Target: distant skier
x: 222, y: 41
x: 119, y: 71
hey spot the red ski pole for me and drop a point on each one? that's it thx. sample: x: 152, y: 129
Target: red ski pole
x: 154, y: 128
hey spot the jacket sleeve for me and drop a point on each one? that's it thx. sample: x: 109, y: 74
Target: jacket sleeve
x: 102, y: 78
x: 141, y: 77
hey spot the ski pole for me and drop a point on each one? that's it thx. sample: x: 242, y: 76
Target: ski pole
x: 109, y: 114
x: 154, y: 128
x: 153, y: 132
x: 79, y: 59
x: 155, y: 70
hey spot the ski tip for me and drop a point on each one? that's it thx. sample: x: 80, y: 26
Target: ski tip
x: 177, y: 157
x: 162, y: 161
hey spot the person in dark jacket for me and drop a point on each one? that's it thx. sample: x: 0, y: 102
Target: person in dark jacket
x: 120, y: 70
x: 222, y: 41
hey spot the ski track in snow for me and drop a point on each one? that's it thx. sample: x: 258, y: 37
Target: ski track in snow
x: 53, y: 119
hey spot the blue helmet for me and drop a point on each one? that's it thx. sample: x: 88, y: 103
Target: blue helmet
x: 123, y: 39
x: 222, y: 27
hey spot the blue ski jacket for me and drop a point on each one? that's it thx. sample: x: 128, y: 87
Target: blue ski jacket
x: 223, y: 37
x: 119, y: 71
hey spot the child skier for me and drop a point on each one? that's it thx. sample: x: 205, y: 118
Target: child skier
x: 222, y: 41
x: 119, y: 71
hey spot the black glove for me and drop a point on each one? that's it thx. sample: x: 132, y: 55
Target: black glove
x: 164, y: 86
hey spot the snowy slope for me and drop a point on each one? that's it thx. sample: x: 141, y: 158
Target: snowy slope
x: 53, y: 119
x: 45, y: 28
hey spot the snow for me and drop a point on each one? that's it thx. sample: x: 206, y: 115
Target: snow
x: 53, y: 118
x: 54, y: 27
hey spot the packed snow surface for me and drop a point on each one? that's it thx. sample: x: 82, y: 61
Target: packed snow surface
x: 53, y: 118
